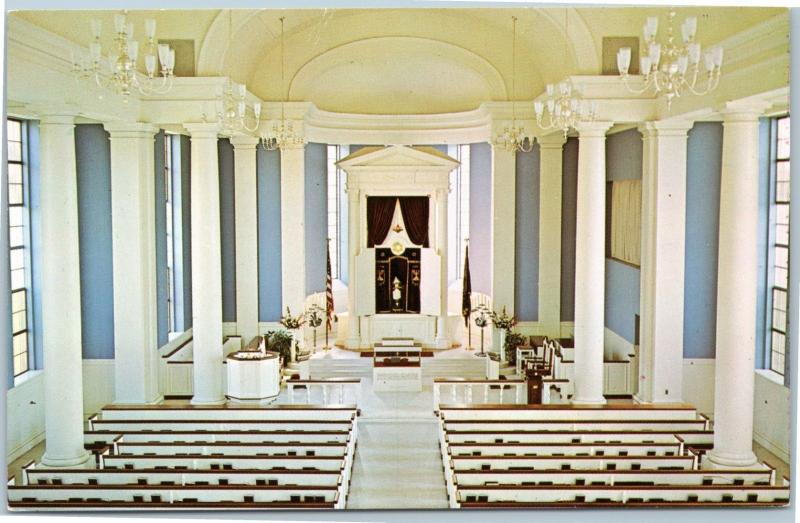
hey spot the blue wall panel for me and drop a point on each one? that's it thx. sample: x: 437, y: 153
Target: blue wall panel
x: 162, y: 297
x: 703, y: 168
x: 526, y: 243
x: 569, y: 192
x: 227, y: 228
x: 316, y: 215
x: 480, y: 217
x: 182, y: 199
x: 268, y: 165
x: 623, y: 162
x: 93, y: 163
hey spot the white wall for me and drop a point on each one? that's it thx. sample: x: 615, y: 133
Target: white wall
x: 25, y: 404
x: 772, y: 403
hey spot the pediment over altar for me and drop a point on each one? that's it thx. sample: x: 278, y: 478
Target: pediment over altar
x: 398, y: 157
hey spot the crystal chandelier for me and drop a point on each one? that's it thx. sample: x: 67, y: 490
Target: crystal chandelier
x: 563, y: 108
x: 282, y: 134
x: 514, y: 138
x: 231, y: 105
x: 673, y: 67
x: 118, y: 72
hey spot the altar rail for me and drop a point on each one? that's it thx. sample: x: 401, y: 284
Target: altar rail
x: 331, y: 391
x: 460, y: 390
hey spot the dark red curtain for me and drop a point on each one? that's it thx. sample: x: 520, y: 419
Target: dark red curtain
x: 415, y: 216
x: 380, y: 210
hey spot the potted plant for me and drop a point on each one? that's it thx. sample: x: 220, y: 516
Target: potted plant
x: 280, y: 342
x: 504, y: 323
x: 292, y: 324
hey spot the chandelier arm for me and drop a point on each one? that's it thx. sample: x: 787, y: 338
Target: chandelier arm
x: 647, y: 83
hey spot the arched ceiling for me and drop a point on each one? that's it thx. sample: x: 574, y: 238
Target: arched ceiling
x: 399, y: 60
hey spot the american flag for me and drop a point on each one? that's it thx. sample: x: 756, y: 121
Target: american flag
x: 328, y: 292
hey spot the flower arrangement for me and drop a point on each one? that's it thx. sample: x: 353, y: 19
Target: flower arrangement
x: 280, y: 342
x: 502, y: 320
x: 292, y: 322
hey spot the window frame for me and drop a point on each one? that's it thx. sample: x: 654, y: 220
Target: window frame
x: 777, y: 299
x: 23, y: 249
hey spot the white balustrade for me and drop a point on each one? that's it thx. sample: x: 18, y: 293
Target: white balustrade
x: 331, y: 391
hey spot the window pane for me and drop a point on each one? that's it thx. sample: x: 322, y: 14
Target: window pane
x: 14, y: 130
x: 15, y: 216
x: 781, y: 278
x: 779, y: 320
x: 14, y: 152
x: 15, y: 194
x: 14, y: 173
x: 779, y: 299
x: 781, y: 256
x: 782, y: 191
x: 20, y: 364
x: 20, y: 343
x: 782, y: 170
x: 18, y: 302
x: 15, y: 237
x: 19, y: 321
x: 782, y: 234
x: 17, y: 257
x: 782, y: 213
x: 18, y: 279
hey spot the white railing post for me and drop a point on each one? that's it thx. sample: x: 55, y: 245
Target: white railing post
x: 291, y: 392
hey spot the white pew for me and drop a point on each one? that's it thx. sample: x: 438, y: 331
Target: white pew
x: 565, y: 425
x: 620, y: 478
x: 588, y: 436
x: 229, y: 413
x: 567, y: 449
x: 197, y: 462
x: 230, y: 449
x: 266, y: 437
x: 567, y: 413
x: 460, y: 463
x: 124, y: 426
x: 571, y: 494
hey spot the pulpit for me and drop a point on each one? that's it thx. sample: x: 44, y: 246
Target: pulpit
x: 536, y: 369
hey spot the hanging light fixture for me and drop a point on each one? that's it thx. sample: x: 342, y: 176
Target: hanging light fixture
x: 232, y: 110
x: 673, y: 67
x: 563, y: 107
x: 282, y: 135
x: 514, y: 138
x: 118, y: 72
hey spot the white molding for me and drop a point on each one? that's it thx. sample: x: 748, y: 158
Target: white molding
x: 175, y: 342
x: 615, y: 346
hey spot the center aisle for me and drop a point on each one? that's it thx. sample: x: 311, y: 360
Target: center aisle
x: 397, y: 463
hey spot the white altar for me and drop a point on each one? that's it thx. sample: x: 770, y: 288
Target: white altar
x: 397, y: 171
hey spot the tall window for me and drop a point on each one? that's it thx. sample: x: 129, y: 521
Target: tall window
x: 336, y: 202
x: 458, y: 207
x: 170, y: 234
x: 18, y: 239
x: 779, y: 243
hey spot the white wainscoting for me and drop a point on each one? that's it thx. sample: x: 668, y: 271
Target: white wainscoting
x: 25, y: 404
x: 25, y: 415
x: 698, y: 384
x: 771, y: 427
x: 98, y: 384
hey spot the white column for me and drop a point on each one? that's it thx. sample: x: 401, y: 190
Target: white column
x: 737, y: 274
x: 293, y: 229
x: 503, y: 228
x: 590, y: 233
x: 662, y: 261
x: 551, y: 149
x: 133, y: 247
x: 61, y: 295
x: 442, y: 340
x: 206, y: 266
x: 354, y: 246
x: 244, y: 159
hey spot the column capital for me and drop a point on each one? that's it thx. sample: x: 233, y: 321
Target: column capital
x: 202, y: 130
x: 552, y: 141
x: 665, y: 128
x: 244, y: 141
x: 743, y: 111
x: 55, y: 113
x: 130, y: 129
x: 593, y: 129
x: 67, y: 119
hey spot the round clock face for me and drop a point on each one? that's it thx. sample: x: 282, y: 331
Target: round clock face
x: 397, y: 248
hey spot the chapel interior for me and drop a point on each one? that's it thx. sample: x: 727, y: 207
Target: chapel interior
x: 439, y: 258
